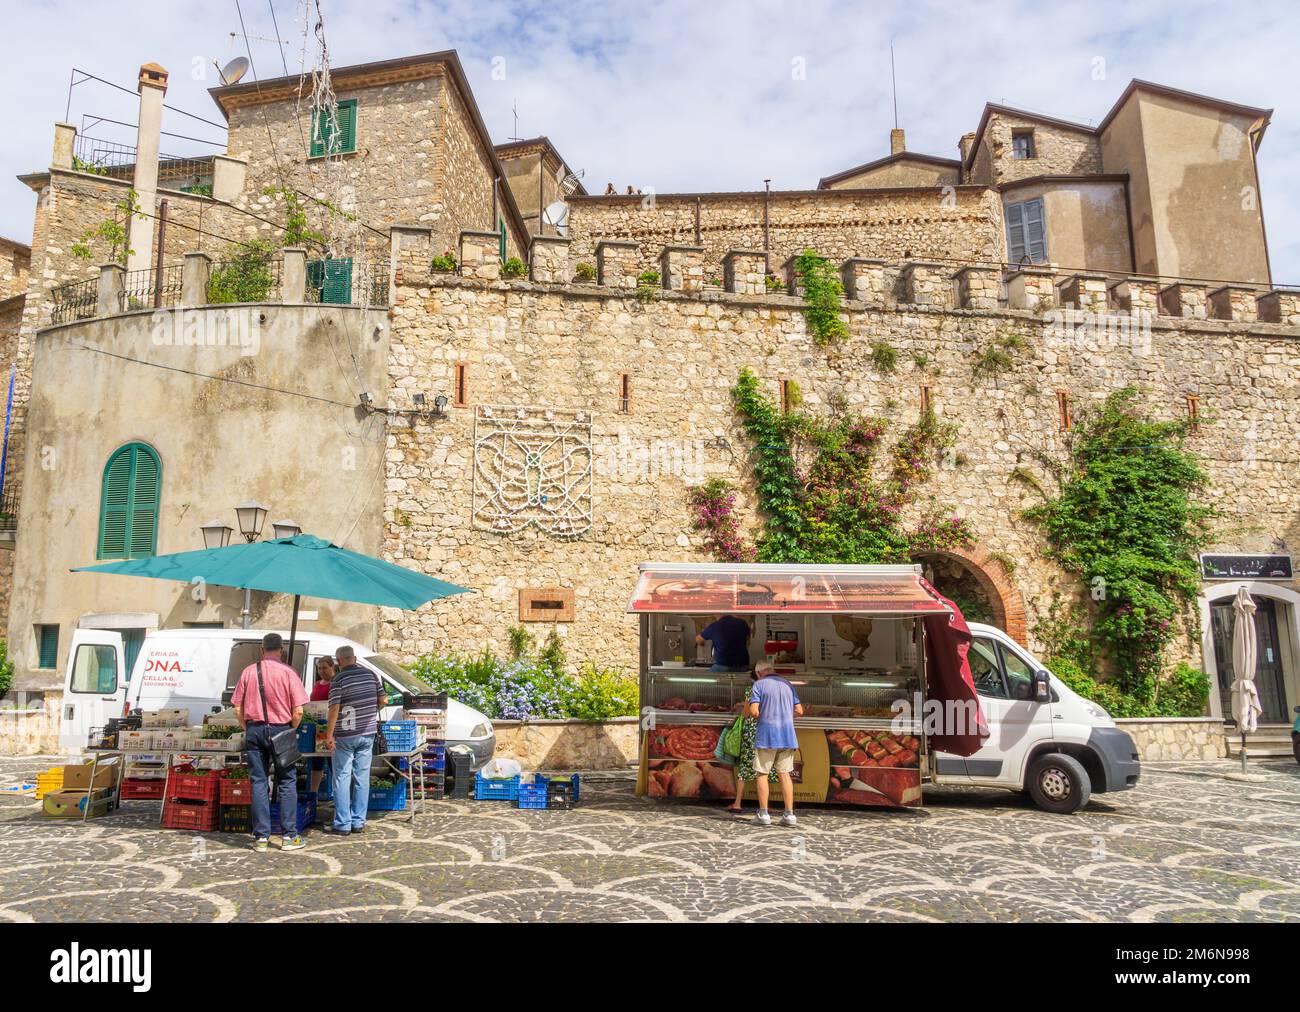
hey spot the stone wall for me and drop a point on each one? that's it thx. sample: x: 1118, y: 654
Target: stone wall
x: 568, y: 744
x: 564, y: 349
x: 1164, y: 738
x: 14, y: 266
x: 964, y: 223
x: 1057, y: 151
x: 34, y: 731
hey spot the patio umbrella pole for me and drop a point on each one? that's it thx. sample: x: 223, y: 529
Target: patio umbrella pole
x: 293, y: 629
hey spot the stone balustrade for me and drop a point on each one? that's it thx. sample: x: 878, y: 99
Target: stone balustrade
x: 978, y: 287
x: 924, y: 283
x: 616, y: 263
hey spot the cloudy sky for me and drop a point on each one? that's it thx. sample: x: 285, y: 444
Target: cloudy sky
x: 704, y: 95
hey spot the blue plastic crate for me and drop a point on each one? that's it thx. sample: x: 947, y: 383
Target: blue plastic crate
x: 401, y: 735
x: 388, y: 799
x: 495, y: 790
x: 306, y: 738
x: 531, y: 796
x: 559, y: 778
x: 306, y: 811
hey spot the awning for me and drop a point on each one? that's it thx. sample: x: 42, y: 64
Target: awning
x: 690, y: 588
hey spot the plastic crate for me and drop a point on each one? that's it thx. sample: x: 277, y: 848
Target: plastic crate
x: 495, y: 790
x: 236, y: 791
x: 424, y: 700
x: 306, y: 812
x: 306, y: 738
x: 202, y: 816
x: 549, y: 779
x: 50, y: 780
x: 142, y: 789
x: 189, y: 787
x: 531, y: 796
x: 236, y: 819
x: 388, y: 799
x: 401, y: 735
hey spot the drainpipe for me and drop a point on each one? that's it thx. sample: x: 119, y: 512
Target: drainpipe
x: 158, y: 262
x: 152, y: 87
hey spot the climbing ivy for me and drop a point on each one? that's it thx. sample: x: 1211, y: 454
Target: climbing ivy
x: 822, y: 292
x: 1128, y: 523
x: 820, y: 498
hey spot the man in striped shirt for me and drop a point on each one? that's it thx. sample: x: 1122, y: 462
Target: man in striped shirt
x: 356, y: 697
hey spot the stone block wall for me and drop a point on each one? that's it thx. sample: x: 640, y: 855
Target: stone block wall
x: 1057, y: 151
x: 1173, y: 738
x: 963, y: 224
x: 568, y: 744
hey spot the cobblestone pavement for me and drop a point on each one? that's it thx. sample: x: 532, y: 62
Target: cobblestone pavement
x: 1186, y: 845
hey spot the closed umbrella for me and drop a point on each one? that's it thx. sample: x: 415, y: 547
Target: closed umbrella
x: 303, y: 566
x: 1245, y: 697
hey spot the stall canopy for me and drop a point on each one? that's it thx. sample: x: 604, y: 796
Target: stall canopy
x: 677, y: 588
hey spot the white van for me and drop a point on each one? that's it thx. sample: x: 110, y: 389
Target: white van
x: 1060, y: 750
x: 197, y: 669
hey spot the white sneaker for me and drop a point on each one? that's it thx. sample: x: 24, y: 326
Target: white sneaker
x: 762, y: 818
x: 788, y: 819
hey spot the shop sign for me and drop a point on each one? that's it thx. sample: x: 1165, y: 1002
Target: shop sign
x: 1246, y: 567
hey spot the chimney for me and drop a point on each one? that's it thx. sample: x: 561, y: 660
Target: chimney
x: 964, y: 146
x: 897, y: 142
x: 152, y: 87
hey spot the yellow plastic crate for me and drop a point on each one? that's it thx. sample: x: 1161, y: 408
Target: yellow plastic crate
x: 49, y: 780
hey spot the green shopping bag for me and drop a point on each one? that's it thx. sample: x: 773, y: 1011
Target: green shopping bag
x: 733, y: 738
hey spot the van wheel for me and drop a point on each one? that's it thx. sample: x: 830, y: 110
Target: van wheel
x: 1058, y: 783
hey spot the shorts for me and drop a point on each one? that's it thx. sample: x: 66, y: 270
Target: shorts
x: 768, y: 760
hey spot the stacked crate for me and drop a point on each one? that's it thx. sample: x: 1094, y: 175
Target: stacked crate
x: 429, y: 711
x: 193, y: 801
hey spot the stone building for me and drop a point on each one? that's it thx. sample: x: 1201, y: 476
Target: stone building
x: 535, y: 438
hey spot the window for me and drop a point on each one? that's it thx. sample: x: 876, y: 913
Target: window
x: 1020, y: 676
x: 788, y: 396
x: 985, y: 669
x: 128, y: 506
x: 625, y: 395
x: 324, y: 139
x: 1022, y: 145
x: 927, y: 402
x: 94, y: 669
x: 47, y: 646
x: 462, y: 384
x: 1063, y: 419
x: 1026, y: 233
x: 1193, y: 415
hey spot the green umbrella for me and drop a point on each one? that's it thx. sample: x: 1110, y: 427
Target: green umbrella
x: 303, y: 566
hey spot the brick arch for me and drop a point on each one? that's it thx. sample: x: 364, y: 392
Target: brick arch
x: 992, y: 576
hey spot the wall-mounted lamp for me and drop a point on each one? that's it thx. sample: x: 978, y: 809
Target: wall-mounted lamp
x: 367, y: 401
x: 440, y: 403
x: 420, y: 401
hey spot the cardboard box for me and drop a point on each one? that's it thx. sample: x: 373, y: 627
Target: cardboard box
x: 135, y: 740
x: 72, y: 804
x: 77, y: 777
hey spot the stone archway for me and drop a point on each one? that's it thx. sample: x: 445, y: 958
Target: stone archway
x: 983, y: 582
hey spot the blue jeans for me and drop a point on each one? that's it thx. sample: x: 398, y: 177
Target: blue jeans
x: 260, y: 767
x: 352, y: 781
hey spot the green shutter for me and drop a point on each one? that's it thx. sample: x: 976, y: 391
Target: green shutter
x: 128, y: 514
x: 348, y: 125
x: 322, y: 141
x: 49, y: 646
x: 501, y: 226
x: 336, y: 282
x: 1035, y: 231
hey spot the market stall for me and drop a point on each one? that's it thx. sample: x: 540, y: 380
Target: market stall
x: 852, y: 641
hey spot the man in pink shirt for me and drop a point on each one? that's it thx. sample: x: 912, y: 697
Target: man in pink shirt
x: 282, y: 689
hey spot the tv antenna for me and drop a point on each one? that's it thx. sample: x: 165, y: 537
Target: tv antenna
x: 514, y: 108
x: 893, y: 81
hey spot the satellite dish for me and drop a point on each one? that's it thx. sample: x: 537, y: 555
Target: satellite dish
x: 557, y: 215
x: 233, y: 71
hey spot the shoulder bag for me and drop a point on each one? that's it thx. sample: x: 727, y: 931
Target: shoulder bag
x: 284, y: 744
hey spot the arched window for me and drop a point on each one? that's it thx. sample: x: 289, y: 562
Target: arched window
x: 128, y: 505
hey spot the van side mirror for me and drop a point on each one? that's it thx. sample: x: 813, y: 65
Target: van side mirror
x: 1042, y: 686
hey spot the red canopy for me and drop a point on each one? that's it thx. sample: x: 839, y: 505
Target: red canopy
x: 948, y: 680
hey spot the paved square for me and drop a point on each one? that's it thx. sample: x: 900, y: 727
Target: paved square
x: 1186, y: 845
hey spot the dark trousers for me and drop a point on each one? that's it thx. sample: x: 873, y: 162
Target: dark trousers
x: 261, y: 764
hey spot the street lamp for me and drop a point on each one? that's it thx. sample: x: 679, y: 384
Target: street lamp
x: 252, y: 515
x: 216, y: 534
x: 285, y: 529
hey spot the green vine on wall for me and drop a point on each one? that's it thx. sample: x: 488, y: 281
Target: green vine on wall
x: 1127, y: 523
x: 822, y: 292
x: 111, y: 230
x: 834, y: 508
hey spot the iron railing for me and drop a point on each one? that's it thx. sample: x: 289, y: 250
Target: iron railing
x: 77, y: 300
x: 138, y: 288
x: 377, y: 282
x: 8, y: 511
x: 187, y: 173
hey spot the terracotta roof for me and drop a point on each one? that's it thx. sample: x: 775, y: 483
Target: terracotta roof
x: 902, y: 156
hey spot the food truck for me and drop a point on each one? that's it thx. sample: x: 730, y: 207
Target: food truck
x: 879, y: 661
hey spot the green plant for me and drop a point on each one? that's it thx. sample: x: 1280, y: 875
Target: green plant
x: 78, y: 165
x: 112, y: 231
x: 775, y: 285
x: 884, y: 356
x: 713, y: 512
x: 552, y: 655
x: 445, y: 263
x: 521, y: 641
x: 1127, y: 523
x: 999, y: 355
x: 6, y: 668
x: 245, y: 276
x: 603, y: 693
x: 297, y: 227
x: 822, y: 292
x: 647, y: 285
x: 921, y: 360
x: 585, y: 271
x: 514, y: 268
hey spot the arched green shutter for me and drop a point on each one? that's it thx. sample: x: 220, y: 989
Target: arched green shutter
x: 128, y: 512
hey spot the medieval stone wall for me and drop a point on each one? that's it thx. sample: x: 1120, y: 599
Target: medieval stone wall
x: 564, y: 349
x: 1057, y: 151
x: 962, y: 224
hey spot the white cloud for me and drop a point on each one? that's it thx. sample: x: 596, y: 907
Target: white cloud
x: 698, y: 96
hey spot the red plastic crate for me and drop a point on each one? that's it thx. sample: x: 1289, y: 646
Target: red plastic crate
x: 134, y: 789
x: 236, y: 792
x: 196, y: 815
x: 192, y: 788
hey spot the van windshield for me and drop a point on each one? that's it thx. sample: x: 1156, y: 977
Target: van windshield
x: 397, y: 673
